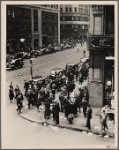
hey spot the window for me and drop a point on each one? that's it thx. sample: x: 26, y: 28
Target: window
x: 35, y: 26
x: 85, y: 26
x: 61, y: 10
x: 76, y: 18
x: 35, y: 17
x: 66, y: 9
x: 85, y: 11
x: 109, y: 20
x: 70, y: 10
x: 36, y: 44
x: 85, y: 18
x: 97, y: 26
x: 63, y: 18
x: 80, y: 10
x: 80, y: 26
x: 68, y: 26
x: 75, y: 9
x: 8, y: 12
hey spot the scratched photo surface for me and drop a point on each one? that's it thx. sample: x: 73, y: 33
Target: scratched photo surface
x: 59, y: 74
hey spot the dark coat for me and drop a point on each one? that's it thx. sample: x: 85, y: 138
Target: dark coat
x: 89, y: 113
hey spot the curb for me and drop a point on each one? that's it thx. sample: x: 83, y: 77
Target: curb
x: 70, y: 128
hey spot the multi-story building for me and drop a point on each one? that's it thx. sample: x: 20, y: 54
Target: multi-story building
x: 102, y: 55
x: 74, y: 20
x: 32, y: 26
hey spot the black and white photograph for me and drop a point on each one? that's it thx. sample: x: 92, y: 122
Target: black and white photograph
x: 59, y: 74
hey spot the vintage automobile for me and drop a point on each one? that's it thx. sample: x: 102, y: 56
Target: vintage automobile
x: 34, y: 54
x: 57, y: 48
x: 14, y: 64
x: 37, y: 80
x: 84, y: 60
x: 55, y: 71
x: 26, y: 55
x: 71, y: 67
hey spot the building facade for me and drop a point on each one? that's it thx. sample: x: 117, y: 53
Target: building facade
x: 74, y: 20
x: 101, y: 71
x: 38, y: 25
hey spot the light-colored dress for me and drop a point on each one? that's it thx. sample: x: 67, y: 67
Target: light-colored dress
x: 41, y: 113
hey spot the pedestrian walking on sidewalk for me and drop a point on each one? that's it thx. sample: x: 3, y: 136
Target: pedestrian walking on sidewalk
x: 80, y: 78
x: 61, y: 100
x: 19, y: 100
x: 26, y: 87
x: 53, y: 90
x: 84, y: 53
x: 41, y: 113
x: 84, y: 105
x: 89, y: 117
x: 11, y: 92
x: 103, y: 120
x: 55, y: 111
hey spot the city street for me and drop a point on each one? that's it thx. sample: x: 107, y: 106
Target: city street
x: 42, y: 65
x: 19, y: 133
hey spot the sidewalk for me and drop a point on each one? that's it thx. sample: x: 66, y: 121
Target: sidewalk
x: 78, y: 123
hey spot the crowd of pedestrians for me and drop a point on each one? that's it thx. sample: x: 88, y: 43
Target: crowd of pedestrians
x: 42, y: 95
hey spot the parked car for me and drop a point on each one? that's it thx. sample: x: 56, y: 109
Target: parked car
x: 34, y: 53
x: 14, y: 64
x: 37, y: 80
x: 43, y: 50
x: 47, y: 50
x: 9, y: 58
x: 70, y: 67
x: 26, y: 55
x: 55, y: 71
x: 85, y: 59
x: 19, y: 55
x: 57, y: 48
x: 39, y: 52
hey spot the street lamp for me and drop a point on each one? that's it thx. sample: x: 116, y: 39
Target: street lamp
x: 31, y: 64
x: 22, y: 40
x: 109, y: 83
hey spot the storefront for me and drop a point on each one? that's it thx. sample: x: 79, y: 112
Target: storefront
x: 109, y: 81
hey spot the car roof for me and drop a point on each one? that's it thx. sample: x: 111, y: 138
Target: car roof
x: 38, y: 77
x: 84, y: 59
x: 55, y: 69
x: 71, y: 64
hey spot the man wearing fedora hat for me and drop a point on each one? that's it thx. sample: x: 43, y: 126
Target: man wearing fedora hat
x: 84, y: 106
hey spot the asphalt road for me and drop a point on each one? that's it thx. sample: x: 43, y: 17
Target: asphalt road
x: 18, y: 133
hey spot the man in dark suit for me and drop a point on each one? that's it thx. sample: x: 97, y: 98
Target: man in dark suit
x: 89, y: 117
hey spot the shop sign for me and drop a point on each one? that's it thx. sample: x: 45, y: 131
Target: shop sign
x: 102, y: 42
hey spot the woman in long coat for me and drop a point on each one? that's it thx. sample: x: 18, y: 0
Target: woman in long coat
x: 11, y: 94
x: 89, y: 117
x: 41, y: 113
